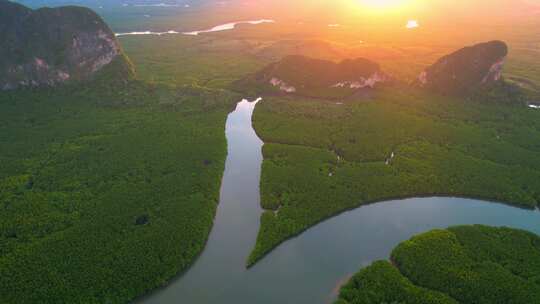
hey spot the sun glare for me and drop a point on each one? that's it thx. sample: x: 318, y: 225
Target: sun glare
x: 412, y: 24
x: 383, y: 4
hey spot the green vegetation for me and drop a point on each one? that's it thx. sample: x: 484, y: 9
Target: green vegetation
x: 109, y: 189
x: 50, y: 46
x: 383, y: 283
x: 466, y: 69
x: 322, y: 158
x: 466, y: 264
x: 191, y: 60
x: 106, y: 191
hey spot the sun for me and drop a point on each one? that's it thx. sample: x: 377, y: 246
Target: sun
x: 383, y: 4
x: 384, y: 12
x: 412, y: 24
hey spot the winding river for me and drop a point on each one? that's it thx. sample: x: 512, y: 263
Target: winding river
x: 311, y: 267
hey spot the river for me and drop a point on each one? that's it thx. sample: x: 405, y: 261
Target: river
x: 310, y: 267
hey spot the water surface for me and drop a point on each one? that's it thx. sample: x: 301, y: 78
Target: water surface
x: 218, y: 28
x: 307, y: 269
x: 229, y: 26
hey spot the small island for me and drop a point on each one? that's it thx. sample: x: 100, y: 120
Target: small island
x: 464, y: 264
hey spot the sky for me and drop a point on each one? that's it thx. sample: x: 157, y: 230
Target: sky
x: 455, y: 15
x: 431, y: 9
x: 348, y: 9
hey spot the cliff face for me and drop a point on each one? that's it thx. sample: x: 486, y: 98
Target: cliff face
x: 50, y: 46
x: 467, y: 69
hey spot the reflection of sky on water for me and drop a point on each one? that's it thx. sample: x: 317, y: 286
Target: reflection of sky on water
x: 219, y: 28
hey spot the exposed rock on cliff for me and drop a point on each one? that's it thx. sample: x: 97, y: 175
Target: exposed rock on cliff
x: 317, y: 78
x: 466, y: 70
x: 50, y: 46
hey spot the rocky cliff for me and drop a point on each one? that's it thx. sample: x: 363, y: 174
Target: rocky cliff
x: 50, y: 46
x: 466, y: 70
x: 317, y: 78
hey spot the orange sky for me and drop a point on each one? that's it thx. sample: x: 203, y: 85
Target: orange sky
x: 433, y: 10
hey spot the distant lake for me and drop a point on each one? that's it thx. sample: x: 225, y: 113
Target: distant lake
x: 309, y: 268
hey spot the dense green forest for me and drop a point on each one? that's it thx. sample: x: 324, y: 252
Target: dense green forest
x: 107, y: 189
x: 464, y: 264
x: 322, y: 158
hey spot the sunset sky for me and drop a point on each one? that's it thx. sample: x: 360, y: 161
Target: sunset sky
x: 484, y: 10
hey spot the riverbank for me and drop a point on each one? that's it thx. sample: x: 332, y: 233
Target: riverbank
x: 300, y: 270
x: 333, y: 158
x: 257, y: 256
x: 95, y: 181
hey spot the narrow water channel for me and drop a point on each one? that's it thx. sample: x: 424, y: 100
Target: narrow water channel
x: 307, y: 269
x: 221, y: 267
